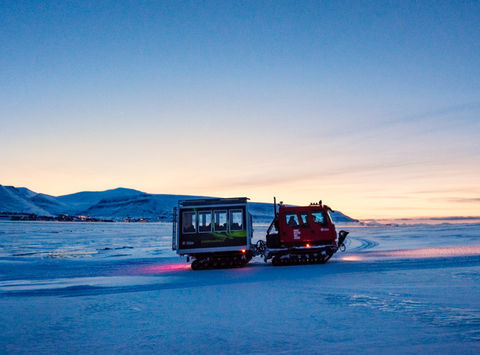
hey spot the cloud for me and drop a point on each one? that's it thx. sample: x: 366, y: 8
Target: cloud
x: 469, y: 190
x: 464, y: 199
x: 277, y: 176
x: 449, y: 199
x: 373, y: 126
x: 441, y: 112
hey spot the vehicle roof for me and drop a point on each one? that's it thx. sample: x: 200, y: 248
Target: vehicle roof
x: 213, y: 201
x: 304, y: 208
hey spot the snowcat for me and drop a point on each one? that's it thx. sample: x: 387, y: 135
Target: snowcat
x: 301, y: 235
x: 217, y: 233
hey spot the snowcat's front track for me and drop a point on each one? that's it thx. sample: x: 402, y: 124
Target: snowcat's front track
x: 302, y: 256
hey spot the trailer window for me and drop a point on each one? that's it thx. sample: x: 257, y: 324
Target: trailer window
x: 236, y: 220
x: 205, y: 221
x: 291, y: 219
x: 220, y: 221
x: 318, y: 217
x: 189, y: 222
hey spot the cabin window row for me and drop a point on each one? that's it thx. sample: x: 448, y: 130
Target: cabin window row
x: 212, y: 221
x: 293, y: 221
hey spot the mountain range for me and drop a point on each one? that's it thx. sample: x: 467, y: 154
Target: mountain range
x: 116, y: 204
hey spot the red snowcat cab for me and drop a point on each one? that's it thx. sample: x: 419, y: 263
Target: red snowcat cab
x: 301, y: 235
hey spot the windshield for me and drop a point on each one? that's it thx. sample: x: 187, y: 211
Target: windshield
x: 318, y: 217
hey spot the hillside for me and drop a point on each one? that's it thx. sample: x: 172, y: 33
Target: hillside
x: 25, y: 201
x: 116, y: 204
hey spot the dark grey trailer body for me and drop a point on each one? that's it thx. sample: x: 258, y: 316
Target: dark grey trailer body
x: 212, y: 225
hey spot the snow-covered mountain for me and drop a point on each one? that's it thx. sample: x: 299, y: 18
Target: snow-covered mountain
x: 143, y: 205
x: 81, y: 202
x: 116, y: 204
x: 23, y: 200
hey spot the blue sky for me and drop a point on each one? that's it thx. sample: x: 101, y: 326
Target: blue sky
x: 371, y: 106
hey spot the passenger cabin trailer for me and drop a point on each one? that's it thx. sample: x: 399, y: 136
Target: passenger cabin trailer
x: 214, y: 232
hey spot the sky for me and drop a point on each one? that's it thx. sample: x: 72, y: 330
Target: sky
x: 371, y: 106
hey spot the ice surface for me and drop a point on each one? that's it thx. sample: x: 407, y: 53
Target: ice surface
x: 117, y: 287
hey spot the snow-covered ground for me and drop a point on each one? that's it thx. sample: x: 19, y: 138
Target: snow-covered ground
x: 117, y: 287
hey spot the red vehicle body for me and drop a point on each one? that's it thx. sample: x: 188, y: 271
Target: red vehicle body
x: 302, y: 234
x: 311, y: 225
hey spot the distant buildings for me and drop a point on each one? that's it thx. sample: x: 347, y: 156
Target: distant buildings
x: 19, y: 216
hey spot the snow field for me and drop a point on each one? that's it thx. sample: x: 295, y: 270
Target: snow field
x: 146, y: 300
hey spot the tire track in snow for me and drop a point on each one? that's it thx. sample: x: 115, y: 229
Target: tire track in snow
x: 365, y: 244
x: 417, y: 253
